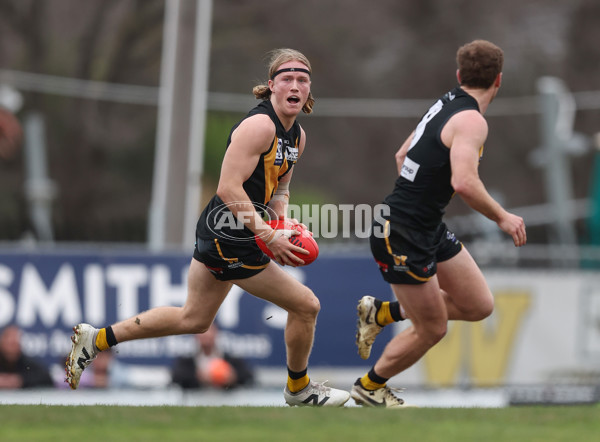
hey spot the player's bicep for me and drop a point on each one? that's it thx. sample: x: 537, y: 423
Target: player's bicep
x: 248, y: 142
x: 464, y: 157
x: 468, y: 136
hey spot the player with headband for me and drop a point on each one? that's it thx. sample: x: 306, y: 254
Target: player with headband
x: 262, y: 150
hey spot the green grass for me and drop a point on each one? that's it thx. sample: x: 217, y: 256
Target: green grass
x: 232, y: 424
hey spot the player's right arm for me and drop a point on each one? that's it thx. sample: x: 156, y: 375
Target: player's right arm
x: 248, y: 142
x: 465, y: 134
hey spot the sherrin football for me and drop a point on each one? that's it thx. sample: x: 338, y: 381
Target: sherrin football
x: 304, y: 240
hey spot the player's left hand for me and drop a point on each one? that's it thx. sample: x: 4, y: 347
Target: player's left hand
x: 295, y: 223
x: 514, y: 225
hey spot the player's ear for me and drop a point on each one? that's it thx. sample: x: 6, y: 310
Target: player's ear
x: 458, y: 76
x: 498, y: 80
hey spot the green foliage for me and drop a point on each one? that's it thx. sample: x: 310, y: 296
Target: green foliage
x: 218, y: 125
x: 101, y: 423
x: 301, y: 193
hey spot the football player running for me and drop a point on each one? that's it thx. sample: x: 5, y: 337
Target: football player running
x: 256, y: 172
x: 432, y: 275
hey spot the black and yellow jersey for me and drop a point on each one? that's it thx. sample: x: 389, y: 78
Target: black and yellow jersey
x: 277, y: 160
x: 423, y: 189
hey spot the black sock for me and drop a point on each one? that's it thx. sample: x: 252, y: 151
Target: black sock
x: 395, y: 311
x: 110, y: 337
x: 376, y: 378
x: 297, y: 374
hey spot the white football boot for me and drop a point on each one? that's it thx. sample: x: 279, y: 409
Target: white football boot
x: 316, y: 394
x: 367, y: 328
x: 83, y: 352
x: 382, y: 397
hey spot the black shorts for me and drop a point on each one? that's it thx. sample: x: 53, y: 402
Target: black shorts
x: 227, y: 261
x: 410, y: 256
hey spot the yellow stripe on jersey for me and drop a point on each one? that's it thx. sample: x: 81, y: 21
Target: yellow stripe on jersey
x: 271, y: 171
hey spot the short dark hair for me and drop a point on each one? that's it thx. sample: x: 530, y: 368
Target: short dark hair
x: 479, y: 63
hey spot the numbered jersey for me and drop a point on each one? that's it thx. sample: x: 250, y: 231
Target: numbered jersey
x: 423, y: 189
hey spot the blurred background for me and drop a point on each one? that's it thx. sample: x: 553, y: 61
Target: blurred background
x: 125, y: 108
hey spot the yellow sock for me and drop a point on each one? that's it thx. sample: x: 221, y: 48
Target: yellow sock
x: 368, y: 384
x: 101, y: 342
x: 384, y: 317
x: 295, y: 385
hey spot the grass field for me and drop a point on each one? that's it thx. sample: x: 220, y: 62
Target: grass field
x: 232, y: 424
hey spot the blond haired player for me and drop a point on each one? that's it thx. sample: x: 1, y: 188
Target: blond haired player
x: 256, y: 172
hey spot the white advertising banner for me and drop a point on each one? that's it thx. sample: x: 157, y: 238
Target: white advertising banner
x: 545, y: 328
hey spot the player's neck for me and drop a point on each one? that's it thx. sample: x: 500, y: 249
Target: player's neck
x: 287, y: 121
x: 483, y: 96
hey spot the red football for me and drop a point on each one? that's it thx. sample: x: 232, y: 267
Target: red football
x: 304, y: 240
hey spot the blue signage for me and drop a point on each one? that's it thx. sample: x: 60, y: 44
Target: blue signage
x: 46, y: 294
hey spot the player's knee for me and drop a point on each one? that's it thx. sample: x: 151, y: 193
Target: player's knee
x: 439, y: 332
x: 434, y: 332
x: 194, y: 324
x: 312, y: 305
x: 484, y: 309
x: 195, y: 327
x: 309, y: 306
x: 487, y: 308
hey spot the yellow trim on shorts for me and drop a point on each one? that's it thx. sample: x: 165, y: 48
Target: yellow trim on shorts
x: 255, y: 267
x: 229, y: 260
x: 400, y: 259
x: 418, y: 278
x: 386, y: 234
